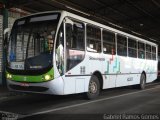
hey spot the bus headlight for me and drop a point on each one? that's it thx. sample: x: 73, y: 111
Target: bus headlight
x: 47, y: 77
x: 9, y: 76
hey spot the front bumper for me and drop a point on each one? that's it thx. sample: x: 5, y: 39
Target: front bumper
x: 55, y: 86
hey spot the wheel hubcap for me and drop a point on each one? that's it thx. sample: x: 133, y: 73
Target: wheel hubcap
x: 143, y: 81
x: 93, y: 87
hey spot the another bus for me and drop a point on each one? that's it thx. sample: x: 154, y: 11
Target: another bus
x: 62, y: 53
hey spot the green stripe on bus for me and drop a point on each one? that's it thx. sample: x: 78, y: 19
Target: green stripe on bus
x: 32, y: 79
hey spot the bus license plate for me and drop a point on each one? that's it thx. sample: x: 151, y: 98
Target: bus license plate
x: 17, y: 65
x: 24, y: 84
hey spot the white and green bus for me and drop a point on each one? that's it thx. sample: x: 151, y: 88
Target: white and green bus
x: 62, y: 53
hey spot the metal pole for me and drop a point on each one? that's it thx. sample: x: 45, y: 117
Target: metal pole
x: 5, y: 25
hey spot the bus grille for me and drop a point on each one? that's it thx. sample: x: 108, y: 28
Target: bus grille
x: 29, y: 88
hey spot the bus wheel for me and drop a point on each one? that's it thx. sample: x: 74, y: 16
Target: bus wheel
x: 142, y: 81
x: 93, y: 88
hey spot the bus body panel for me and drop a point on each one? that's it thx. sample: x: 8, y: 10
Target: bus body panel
x: 74, y: 84
x: 109, y: 81
x: 55, y: 86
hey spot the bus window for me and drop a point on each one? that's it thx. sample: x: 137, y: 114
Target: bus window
x: 93, y: 39
x: 121, y: 45
x: 132, y: 48
x: 141, y: 50
x: 108, y: 42
x: 148, y: 52
x: 75, y: 44
x: 60, y: 51
x: 153, y: 53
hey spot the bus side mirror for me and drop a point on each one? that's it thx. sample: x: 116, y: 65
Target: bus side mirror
x: 5, y: 36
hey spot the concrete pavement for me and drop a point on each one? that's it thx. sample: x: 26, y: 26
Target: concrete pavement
x: 119, y: 102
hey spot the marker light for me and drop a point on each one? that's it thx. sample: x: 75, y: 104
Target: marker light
x: 47, y: 77
x: 9, y: 76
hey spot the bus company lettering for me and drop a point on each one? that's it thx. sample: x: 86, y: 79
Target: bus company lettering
x: 100, y: 59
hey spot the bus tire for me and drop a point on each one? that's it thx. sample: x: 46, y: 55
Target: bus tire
x: 142, y: 81
x: 93, y: 88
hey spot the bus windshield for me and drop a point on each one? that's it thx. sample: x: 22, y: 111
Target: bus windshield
x: 32, y: 41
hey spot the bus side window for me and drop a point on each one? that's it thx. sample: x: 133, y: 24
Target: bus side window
x: 93, y: 39
x: 121, y: 45
x: 108, y: 42
x: 148, y: 52
x: 69, y: 36
x: 75, y: 44
x: 141, y: 50
x: 132, y: 48
x: 153, y: 53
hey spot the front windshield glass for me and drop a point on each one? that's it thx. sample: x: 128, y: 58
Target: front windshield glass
x: 32, y: 41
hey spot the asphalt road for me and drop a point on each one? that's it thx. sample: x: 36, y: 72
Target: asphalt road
x: 119, y: 103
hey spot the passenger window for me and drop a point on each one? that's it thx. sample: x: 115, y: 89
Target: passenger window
x: 75, y: 36
x: 132, y: 48
x: 93, y: 39
x: 60, y: 50
x: 148, y: 52
x: 153, y: 53
x: 75, y: 45
x: 121, y: 45
x: 141, y: 50
x: 108, y: 42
